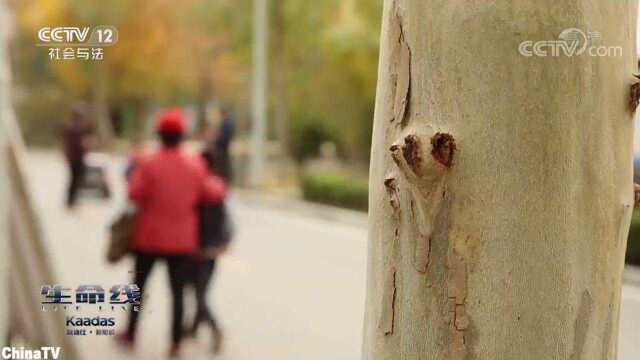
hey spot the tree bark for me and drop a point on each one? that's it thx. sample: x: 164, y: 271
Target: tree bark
x: 501, y: 185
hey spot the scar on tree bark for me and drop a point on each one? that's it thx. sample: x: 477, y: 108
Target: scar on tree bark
x: 634, y: 96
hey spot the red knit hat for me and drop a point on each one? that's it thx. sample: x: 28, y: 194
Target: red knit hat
x: 171, y: 121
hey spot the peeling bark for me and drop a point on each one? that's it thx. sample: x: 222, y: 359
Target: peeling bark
x: 457, y: 293
x: 401, y: 71
x: 388, y: 303
x: 391, y: 184
x: 634, y: 95
x: 624, y: 223
x: 404, y: 81
x: 457, y: 286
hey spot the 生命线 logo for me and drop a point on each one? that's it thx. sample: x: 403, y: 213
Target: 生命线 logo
x: 77, y: 43
x: 91, y: 297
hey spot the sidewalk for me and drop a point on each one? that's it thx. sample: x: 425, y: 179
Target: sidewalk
x: 283, y: 292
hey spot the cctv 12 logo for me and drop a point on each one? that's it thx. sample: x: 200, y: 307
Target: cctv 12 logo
x: 103, y: 35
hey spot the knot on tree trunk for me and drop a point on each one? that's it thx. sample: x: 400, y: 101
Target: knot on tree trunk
x: 423, y: 161
x: 420, y: 164
x: 443, y: 148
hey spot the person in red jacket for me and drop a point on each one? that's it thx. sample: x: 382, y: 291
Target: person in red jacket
x: 167, y: 187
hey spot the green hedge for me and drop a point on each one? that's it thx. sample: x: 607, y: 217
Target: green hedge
x: 352, y: 193
x: 307, y: 134
x: 337, y: 190
x: 633, y: 243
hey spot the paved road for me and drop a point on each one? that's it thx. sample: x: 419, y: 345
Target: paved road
x: 292, y: 288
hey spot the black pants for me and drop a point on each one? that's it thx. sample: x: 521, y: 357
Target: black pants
x: 77, y: 171
x: 202, y: 278
x: 179, y: 270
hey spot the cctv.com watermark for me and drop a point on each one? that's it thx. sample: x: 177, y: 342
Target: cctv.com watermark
x: 570, y: 42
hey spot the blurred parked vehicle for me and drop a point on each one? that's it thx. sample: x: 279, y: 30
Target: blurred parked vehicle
x: 95, y: 178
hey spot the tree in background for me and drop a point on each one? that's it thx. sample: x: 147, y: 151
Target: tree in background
x: 331, y: 52
x: 279, y: 71
x: 165, y: 54
x: 501, y: 185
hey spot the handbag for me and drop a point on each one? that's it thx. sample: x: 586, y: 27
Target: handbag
x: 121, y: 235
x: 216, y: 229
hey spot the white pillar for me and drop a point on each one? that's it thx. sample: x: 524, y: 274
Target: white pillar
x: 259, y: 84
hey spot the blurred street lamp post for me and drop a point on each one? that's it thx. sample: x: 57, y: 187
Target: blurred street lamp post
x: 259, y: 82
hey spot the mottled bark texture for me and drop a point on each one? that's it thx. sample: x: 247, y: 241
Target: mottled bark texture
x: 501, y: 185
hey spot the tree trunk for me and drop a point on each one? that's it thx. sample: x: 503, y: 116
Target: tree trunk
x: 204, y: 96
x: 280, y: 110
x: 100, y: 108
x: 501, y: 185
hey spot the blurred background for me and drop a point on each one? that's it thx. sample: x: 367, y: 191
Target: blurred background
x: 321, y: 67
x: 298, y: 79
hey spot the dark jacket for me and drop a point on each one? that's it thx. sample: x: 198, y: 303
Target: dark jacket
x: 215, y: 229
x: 219, y: 153
x: 74, y: 136
x: 215, y: 224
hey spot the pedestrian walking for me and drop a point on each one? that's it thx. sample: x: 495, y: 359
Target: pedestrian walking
x: 75, y: 138
x: 221, y: 146
x: 167, y: 186
x: 215, y: 235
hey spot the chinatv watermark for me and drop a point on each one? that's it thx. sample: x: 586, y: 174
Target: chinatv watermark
x: 571, y: 42
x: 20, y: 353
x: 77, y: 43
